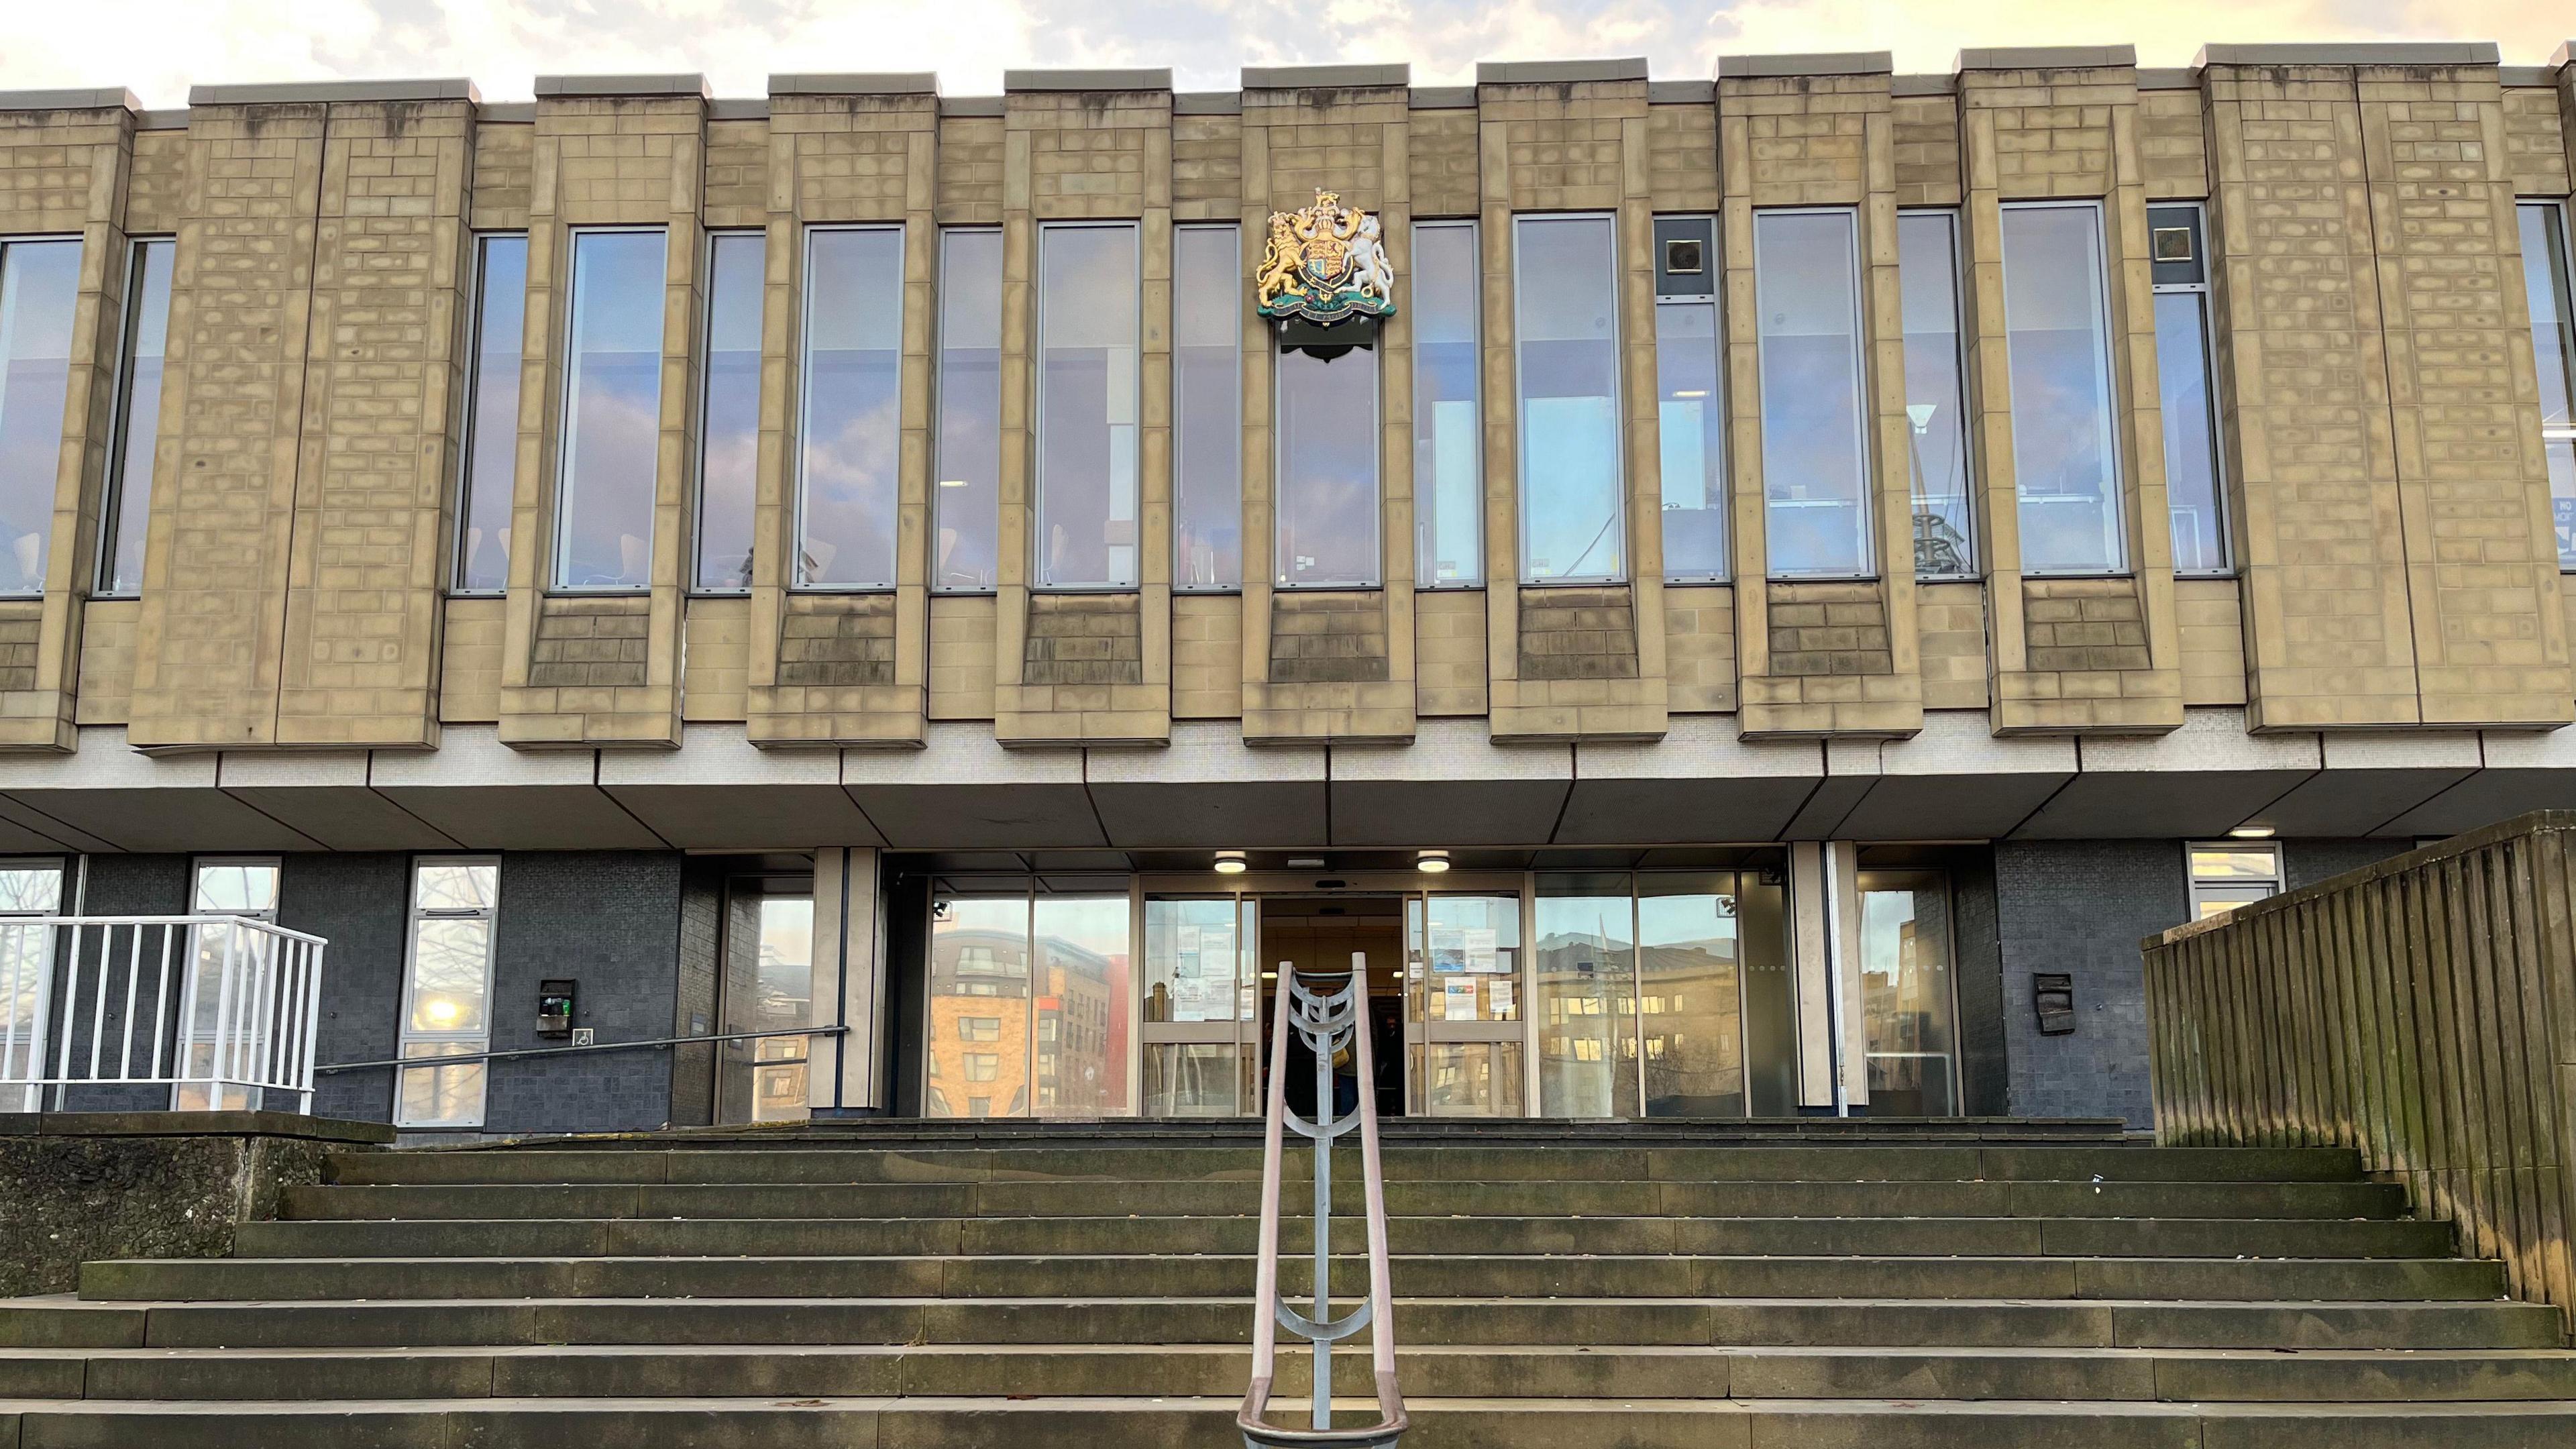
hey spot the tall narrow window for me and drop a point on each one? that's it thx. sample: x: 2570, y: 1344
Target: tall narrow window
x: 447, y: 990
x: 1207, y: 407
x: 768, y: 987
x: 1690, y: 399
x: 491, y: 444
x: 2553, y: 346
x: 1815, y: 458
x: 729, y: 420
x: 224, y: 886
x: 1327, y: 493
x: 968, y: 501
x: 39, y: 290
x: 1566, y: 302
x: 1448, y: 419
x: 138, y: 417
x: 1909, y: 1003
x: 612, y: 426
x: 847, y: 493
x: 1087, y: 382
x: 2194, y: 490
x: 1927, y: 271
x: 30, y: 891
x: 2066, y: 470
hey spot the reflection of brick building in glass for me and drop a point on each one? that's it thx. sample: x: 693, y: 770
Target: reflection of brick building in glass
x: 990, y: 1037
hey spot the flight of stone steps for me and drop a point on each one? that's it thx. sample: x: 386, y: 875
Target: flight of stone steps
x: 1572, y: 1286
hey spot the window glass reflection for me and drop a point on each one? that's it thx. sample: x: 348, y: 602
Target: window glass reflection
x: 1935, y: 397
x: 1448, y: 475
x: 852, y: 425
x: 1907, y: 1003
x: 2065, y: 447
x: 1587, y: 987
x: 1690, y: 996
x: 612, y: 411
x: 768, y: 987
x: 1087, y: 381
x: 2553, y: 347
x: 1028, y: 1006
x: 729, y: 425
x: 491, y: 444
x: 1690, y: 423
x: 1566, y: 307
x: 1207, y: 408
x: 2191, y: 434
x: 1815, y: 470
x: 39, y: 292
x: 1328, y: 500
x: 968, y: 498
x: 138, y: 416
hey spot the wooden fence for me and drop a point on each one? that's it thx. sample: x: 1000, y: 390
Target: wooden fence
x: 2422, y: 1010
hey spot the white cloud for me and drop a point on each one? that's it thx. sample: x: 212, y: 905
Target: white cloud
x: 161, y: 47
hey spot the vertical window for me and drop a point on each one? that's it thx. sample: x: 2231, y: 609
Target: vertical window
x: 447, y: 990
x: 612, y: 423
x: 224, y: 886
x: 1024, y: 991
x: 1936, y: 413
x: 2066, y: 471
x: 1690, y: 399
x: 491, y: 445
x: 30, y: 891
x: 768, y: 987
x: 138, y: 417
x: 1207, y: 407
x: 1815, y: 458
x: 1909, y: 1005
x: 729, y: 417
x: 1565, y: 289
x: 2193, y: 489
x: 1327, y: 493
x: 39, y: 290
x: 2226, y: 874
x: 1448, y: 419
x: 2553, y: 346
x: 1202, y: 960
x: 968, y: 505
x: 1587, y: 992
x: 847, y: 494
x: 1087, y: 382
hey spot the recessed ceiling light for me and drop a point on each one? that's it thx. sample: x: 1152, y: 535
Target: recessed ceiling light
x: 2252, y: 832
x: 1305, y: 862
x: 1229, y: 862
x: 1431, y: 862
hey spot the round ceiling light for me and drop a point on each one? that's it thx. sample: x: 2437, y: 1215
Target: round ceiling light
x: 1431, y: 862
x: 1229, y: 862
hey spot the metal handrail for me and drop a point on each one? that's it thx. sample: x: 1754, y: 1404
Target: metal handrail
x: 1325, y: 1019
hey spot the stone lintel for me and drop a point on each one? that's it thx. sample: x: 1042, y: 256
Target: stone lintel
x: 2421, y: 52
x: 1558, y: 72
x: 1317, y: 77
x: 1842, y: 62
x: 1134, y: 78
x: 453, y: 88
x: 570, y: 87
x: 2050, y: 57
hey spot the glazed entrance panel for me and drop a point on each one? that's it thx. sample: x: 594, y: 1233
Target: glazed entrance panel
x: 1465, y: 1017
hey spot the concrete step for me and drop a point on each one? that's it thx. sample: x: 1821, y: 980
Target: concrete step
x: 1471, y: 1198
x: 1194, y: 1423
x: 1849, y: 1322
x: 1642, y: 1276
x: 1609, y: 1371
x: 1812, y: 1163
x: 1810, y: 1237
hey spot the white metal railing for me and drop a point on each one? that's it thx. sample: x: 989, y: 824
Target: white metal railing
x: 1327, y: 1017
x: 211, y: 1012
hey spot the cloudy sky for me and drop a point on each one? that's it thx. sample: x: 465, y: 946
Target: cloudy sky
x: 159, y: 47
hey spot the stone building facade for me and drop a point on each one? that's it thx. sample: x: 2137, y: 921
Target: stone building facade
x: 1966, y: 764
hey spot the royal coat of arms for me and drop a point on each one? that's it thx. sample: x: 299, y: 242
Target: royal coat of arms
x: 1326, y: 263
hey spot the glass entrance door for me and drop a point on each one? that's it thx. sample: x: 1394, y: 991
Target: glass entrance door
x: 1464, y: 997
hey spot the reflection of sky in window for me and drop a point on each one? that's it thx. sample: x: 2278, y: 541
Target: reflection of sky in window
x: 1207, y: 413
x: 612, y: 410
x: 1087, y: 381
x: 492, y: 429
x: 729, y: 426
x: 236, y: 888
x: 138, y: 408
x: 968, y: 498
x: 1448, y: 481
x: 1812, y: 467
x: 853, y: 372
x: 1690, y: 426
x: 39, y: 283
x: 1569, y: 387
x: 2061, y: 395
x: 1935, y: 398
x: 1328, y: 469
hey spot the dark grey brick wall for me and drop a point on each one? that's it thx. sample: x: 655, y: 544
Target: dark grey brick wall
x: 2080, y: 906
x: 610, y: 920
x: 1984, y: 1065
x: 358, y: 902
x: 2305, y: 862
